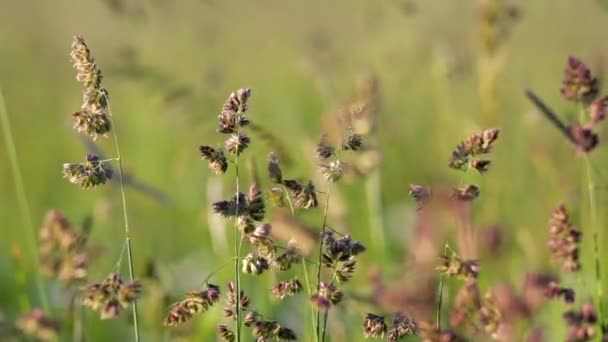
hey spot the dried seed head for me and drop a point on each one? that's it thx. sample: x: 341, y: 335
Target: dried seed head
x: 216, y: 159
x: 402, y: 326
x: 286, y: 288
x: 481, y: 165
x: 255, y: 264
x: 578, y: 83
x: 289, y: 256
x: 93, y: 124
x: 237, y: 143
x: 251, y: 318
x: 93, y: 118
x: 38, y: 325
x: 333, y: 171
x: 307, y: 198
x: 274, y: 169
x: 225, y: 333
x: 564, y: 240
x: 479, y: 143
x: 88, y: 174
x: 61, y: 249
x: 255, y: 203
x: 598, y: 109
x: 195, y: 302
x: 430, y: 333
x: 454, y: 266
x: 374, y: 326
x: 585, y: 139
x: 345, y: 270
x: 237, y: 206
x: 237, y: 101
x: 581, y: 323
x: 420, y: 194
x: 324, y: 149
x: 232, y: 117
x: 353, y: 141
x: 111, y: 296
x: 327, y: 296
x: 465, y: 193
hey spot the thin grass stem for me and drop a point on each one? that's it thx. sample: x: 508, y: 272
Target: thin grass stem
x: 125, y: 217
x: 325, y: 211
x: 22, y: 201
x: 237, y: 252
x: 440, y: 290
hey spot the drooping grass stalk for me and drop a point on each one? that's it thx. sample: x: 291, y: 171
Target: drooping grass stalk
x: 125, y: 217
x: 320, y: 335
x: 237, y: 251
x: 440, y: 290
x: 22, y: 201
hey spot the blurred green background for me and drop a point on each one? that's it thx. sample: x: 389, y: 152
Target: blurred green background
x: 170, y: 65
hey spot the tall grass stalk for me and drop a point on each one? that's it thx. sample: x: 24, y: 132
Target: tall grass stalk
x: 22, y: 202
x: 125, y: 216
x: 304, y: 268
x: 321, y: 335
x: 440, y: 290
x: 593, y: 225
x: 238, y: 240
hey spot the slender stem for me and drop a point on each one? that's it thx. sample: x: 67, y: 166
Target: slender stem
x: 325, y: 211
x: 289, y: 202
x: 593, y: 224
x: 22, y: 200
x: 595, y: 230
x: 325, y: 316
x: 237, y: 252
x: 309, y: 292
x: 440, y: 291
x: 125, y: 217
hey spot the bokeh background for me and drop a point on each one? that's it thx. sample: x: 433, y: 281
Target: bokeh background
x: 169, y: 66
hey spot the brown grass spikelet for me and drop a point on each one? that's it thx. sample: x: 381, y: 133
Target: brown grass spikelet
x: 374, y: 326
x: 598, y: 109
x: 305, y: 196
x: 194, y: 303
x: 465, y: 193
x: 225, y: 333
x: 93, y: 118
x: 274, y: 169
x: 287, y: 288
x: 237, y: 143
x: 324, y: 149
x: 38, y: 325
x: 61, y: 249
x: 578, y: 83
x: 581, y: 323
x: 327, y: 296
x: 454, y: 266
x: 403, y: 326
x: 232, y: 117
x: 216, y: 159
x: 111, y: 296
x: 475, y: 144
x: 88, y: 174
x: 563, y: 242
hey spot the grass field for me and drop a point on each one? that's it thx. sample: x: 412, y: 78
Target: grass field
x: 443, y: 73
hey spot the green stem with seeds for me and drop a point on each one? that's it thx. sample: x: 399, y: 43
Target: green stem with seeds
x: 22, y: 201
x: 123, y: 197
x: 320, y: 335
